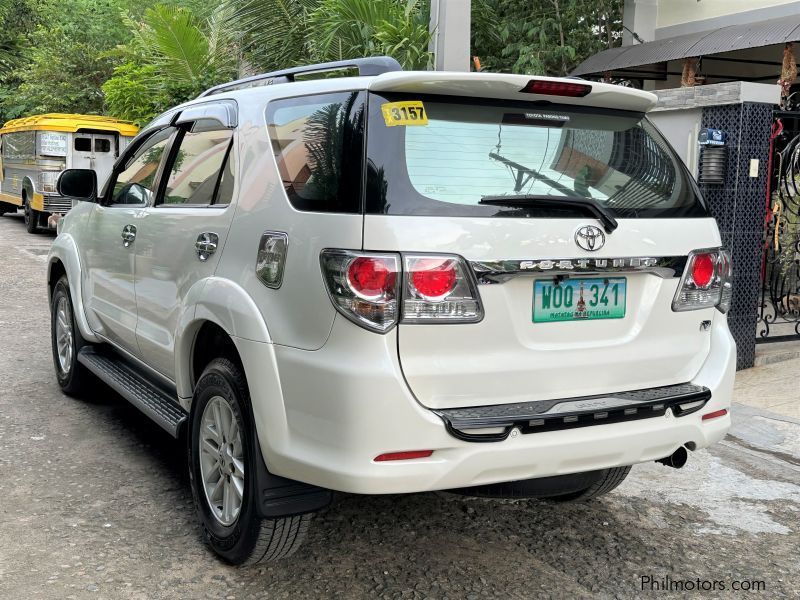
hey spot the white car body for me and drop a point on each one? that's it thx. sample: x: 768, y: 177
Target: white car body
x: 328, y: 396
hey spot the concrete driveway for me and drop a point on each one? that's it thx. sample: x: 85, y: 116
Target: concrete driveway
x: 96, y: 504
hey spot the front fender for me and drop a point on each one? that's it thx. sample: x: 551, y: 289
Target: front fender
x: 65, y: 251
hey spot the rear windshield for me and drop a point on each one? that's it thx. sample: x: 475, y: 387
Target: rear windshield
x: 440, y: 155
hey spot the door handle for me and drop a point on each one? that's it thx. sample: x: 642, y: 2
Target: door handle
x: 128, y: 235
x: 206, y: 245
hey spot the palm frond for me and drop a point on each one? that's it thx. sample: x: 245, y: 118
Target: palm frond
x: 177, y: 42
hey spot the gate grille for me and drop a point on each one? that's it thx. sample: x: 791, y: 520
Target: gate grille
x: 779, y: 316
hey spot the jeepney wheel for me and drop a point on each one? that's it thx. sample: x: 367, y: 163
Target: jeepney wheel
x: 31, y: 218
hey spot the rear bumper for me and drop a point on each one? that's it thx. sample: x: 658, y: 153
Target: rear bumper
x: 494, y: 423
x: 348, y: 402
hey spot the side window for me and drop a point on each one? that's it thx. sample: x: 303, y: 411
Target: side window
x: 135, y: 184
x: 197, y: 165
x: 318, y: 144
x: 83, y: 144
x: 226, y: 180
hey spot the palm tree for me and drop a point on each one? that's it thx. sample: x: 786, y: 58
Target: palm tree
x: 283, y: 33
x: 272, y: 32
x: 188, y: 53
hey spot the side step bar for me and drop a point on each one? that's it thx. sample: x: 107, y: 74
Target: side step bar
x: 498, y: 420
x: 277, y: 496
x: 124, y: 379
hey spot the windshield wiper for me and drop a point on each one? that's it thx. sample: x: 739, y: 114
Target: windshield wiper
x: 588, y: 205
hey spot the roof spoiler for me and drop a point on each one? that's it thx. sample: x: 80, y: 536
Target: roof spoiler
x: 372, y: 66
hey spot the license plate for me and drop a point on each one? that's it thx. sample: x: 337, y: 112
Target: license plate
x: 578, y: 299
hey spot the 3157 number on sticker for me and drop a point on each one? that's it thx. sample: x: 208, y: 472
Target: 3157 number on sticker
x: 410, y: 112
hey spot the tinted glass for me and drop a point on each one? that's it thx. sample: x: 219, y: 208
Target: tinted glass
x: 469, y: 150
x: 226, y: 182
x: 101, y: 145
x: 196, y: 167
x: 135, y: 184
x: 83, y: 144
x: 318, y: 146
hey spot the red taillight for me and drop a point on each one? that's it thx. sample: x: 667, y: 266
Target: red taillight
x: 434, y: 278
x: 703, y: 270
x: 439, y: 288
x: 368, y: 288
x: 706, y: 282
x: 717, y: 413
x: 403, y: 455
x: 371, y: 277
x: 556, y: 88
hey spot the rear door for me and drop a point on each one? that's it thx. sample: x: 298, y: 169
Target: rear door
x: 571, y: 305
x: 96, y: 151
x: 181, y: 235
x: 104, y: 154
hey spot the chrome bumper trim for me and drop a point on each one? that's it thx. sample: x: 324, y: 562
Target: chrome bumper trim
x: 500, y: 271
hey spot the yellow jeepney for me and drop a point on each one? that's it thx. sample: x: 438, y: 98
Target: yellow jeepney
x: 34, y: 151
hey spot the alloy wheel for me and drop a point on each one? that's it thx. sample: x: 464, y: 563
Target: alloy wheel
x: 65, y: 343
x: 221, y: 461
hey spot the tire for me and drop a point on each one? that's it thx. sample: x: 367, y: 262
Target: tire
x: 66, y: 341
x: 609, y: 480
x: 221, y: 416
x: 31, y: 218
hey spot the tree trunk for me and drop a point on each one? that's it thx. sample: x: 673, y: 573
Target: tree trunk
x: 561, y: 40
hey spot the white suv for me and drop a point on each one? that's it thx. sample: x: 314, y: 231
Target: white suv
x: 398, y: 282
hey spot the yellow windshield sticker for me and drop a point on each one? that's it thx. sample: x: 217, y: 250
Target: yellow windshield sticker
x: 410, y: 112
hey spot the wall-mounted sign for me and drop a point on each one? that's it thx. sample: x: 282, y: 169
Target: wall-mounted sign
x: 712, y: 137
x: 51, y: 143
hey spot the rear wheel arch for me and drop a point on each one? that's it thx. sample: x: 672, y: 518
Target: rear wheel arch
x: 210, y: 341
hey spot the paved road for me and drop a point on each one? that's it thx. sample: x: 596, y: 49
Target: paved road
x: 96, y: 505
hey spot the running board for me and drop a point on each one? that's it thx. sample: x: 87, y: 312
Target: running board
x: 498, y: 420
x: 136, y: 388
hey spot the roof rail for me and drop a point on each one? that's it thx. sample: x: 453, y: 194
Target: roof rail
x: 374, y: 65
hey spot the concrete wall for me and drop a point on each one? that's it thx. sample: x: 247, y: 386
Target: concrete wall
x: 676, y: 12
x: 658, y: 19
x: 681, y: 128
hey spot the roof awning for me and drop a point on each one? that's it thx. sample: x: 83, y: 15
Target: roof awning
x: 717, y: 41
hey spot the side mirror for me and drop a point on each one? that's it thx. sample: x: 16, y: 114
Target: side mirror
x: 78, y: 183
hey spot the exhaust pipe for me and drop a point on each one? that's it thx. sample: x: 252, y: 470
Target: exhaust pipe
x: 676, y: 460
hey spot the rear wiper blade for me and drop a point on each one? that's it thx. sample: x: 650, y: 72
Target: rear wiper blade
x: 524, y: 201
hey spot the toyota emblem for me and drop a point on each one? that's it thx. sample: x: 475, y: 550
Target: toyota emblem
x: 590, y: 238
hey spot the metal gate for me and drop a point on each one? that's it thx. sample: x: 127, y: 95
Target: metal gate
x: 779, y: 313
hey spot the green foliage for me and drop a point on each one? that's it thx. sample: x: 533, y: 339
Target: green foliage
x: 549, y: 37
x: 129, y: 93
x: 273, y: 33
x: 283, y: 33
x: 172, y: 57
x: 58, y: 62
x: 64, y: 75
x: 135, y: 58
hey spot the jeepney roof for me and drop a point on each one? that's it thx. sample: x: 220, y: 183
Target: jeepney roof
x: 69, y: 123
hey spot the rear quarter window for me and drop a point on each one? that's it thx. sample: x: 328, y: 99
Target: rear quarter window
x: 318, y: 143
